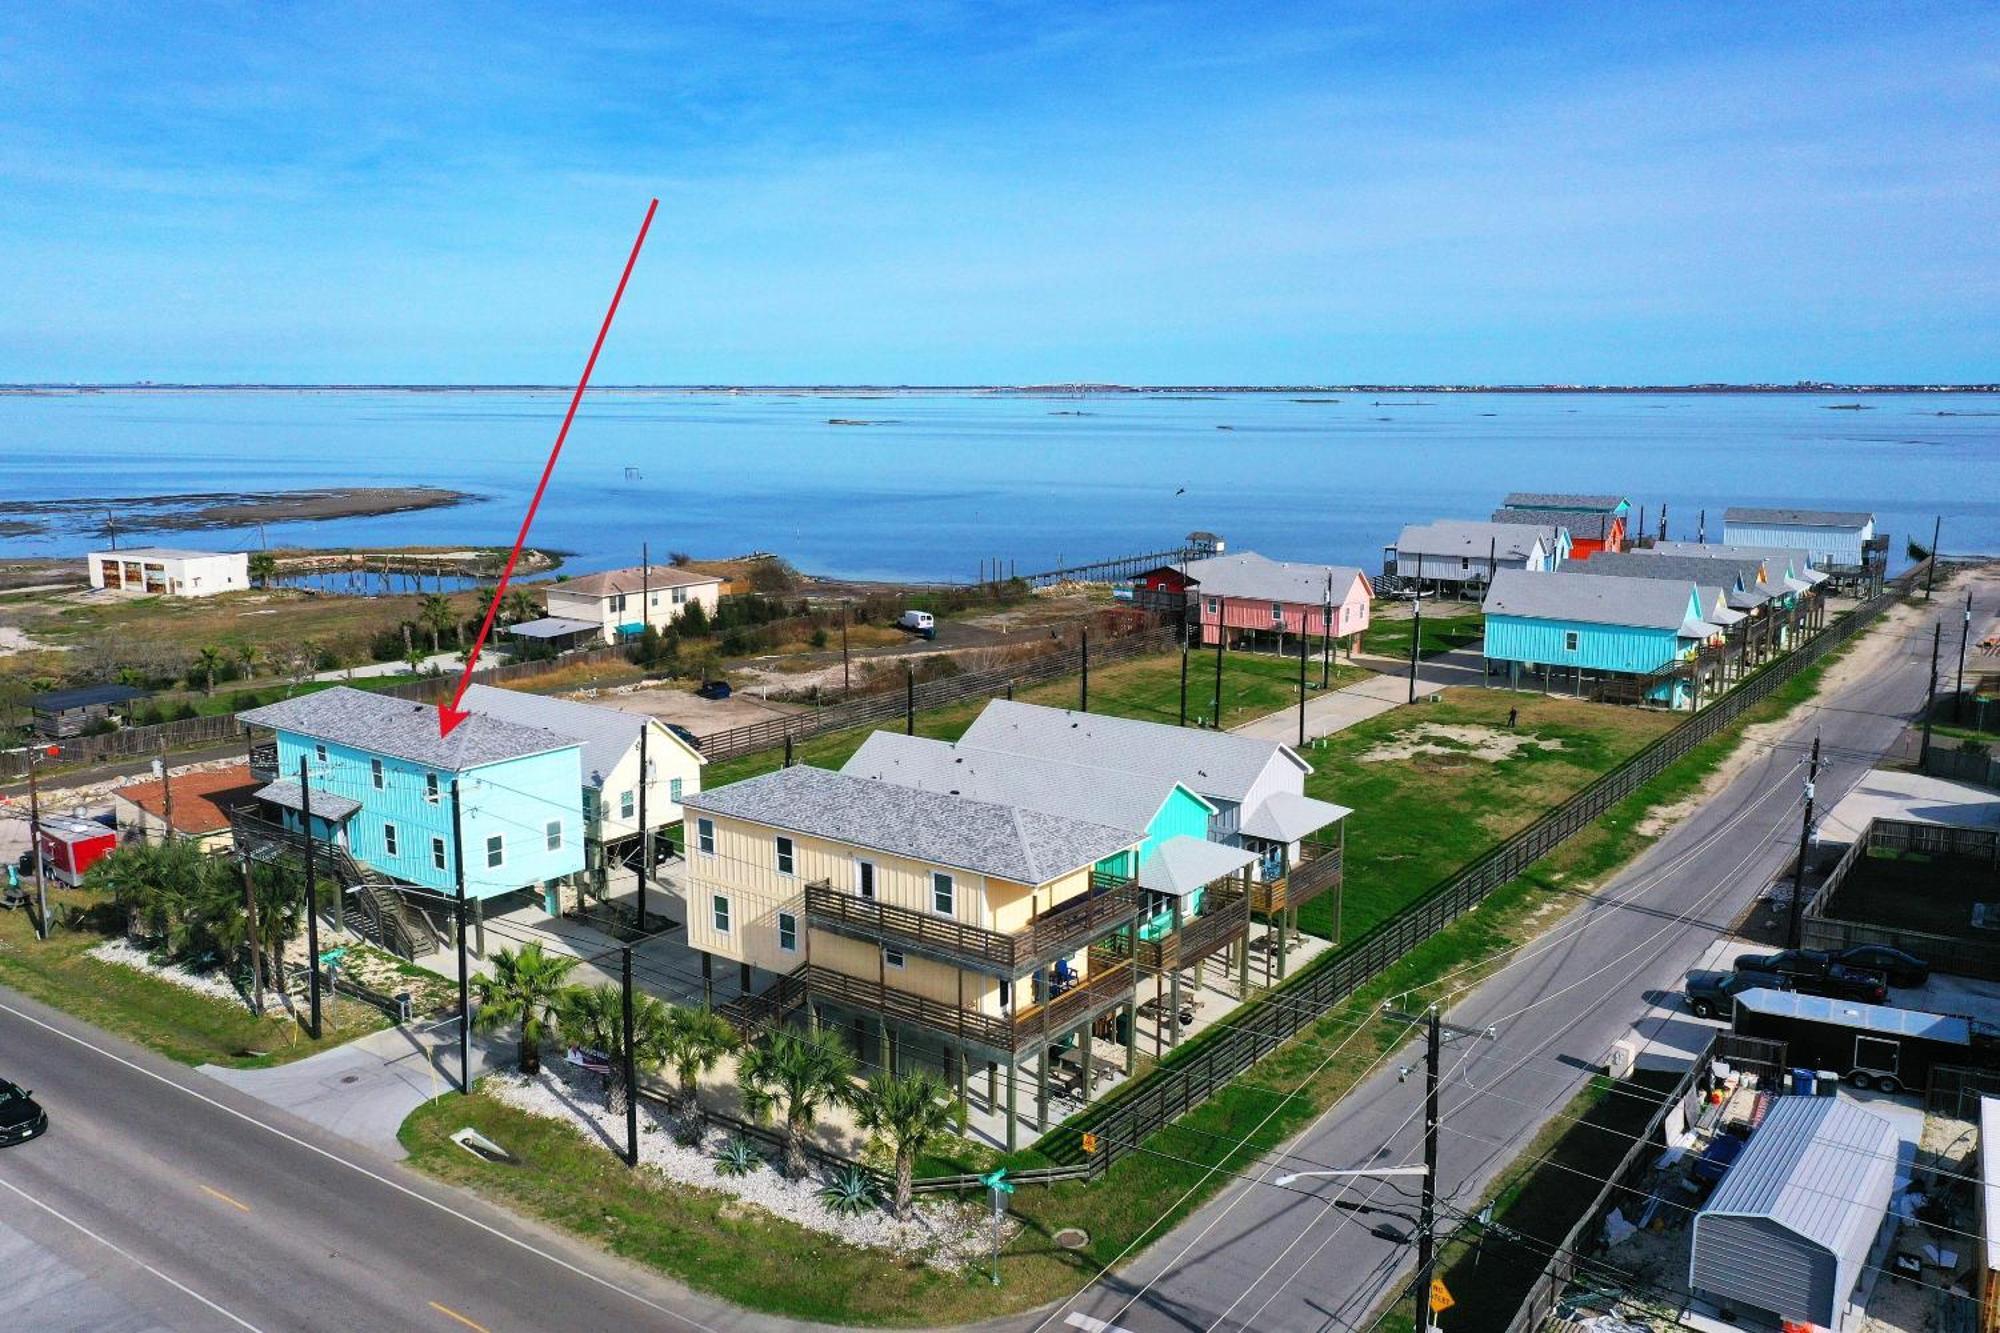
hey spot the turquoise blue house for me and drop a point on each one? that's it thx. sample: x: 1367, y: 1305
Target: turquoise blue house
x: 382, y: 780
x: 1572, y: 623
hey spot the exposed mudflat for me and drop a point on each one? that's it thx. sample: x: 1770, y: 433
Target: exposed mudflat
x: 201, y: 511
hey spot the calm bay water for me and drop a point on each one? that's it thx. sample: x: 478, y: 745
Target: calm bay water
x: 939, y: 480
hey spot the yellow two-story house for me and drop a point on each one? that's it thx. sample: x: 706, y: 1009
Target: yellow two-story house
x: 931, y: 927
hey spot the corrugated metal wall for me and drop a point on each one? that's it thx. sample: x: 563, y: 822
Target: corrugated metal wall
x: 1599, y: 647
x: 1756, y: 1262
x: 1827, y: 546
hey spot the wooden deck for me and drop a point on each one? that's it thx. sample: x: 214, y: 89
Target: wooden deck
x: 1068, y: 926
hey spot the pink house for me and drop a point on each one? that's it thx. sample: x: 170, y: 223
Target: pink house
x: 1257, y: 600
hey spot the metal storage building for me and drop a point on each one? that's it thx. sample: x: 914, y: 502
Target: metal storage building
x: 1834, y: 537
x: 1790, y: 1228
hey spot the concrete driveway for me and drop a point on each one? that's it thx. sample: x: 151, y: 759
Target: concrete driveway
x: 1337, y: 710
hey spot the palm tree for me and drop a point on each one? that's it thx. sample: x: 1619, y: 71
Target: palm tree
x: 246, y: 658
x: 208, y: 661
x: 263, y: 567
x: 798, y: 1075
x: 437, y: 616
x: 520, y: 605
x: 911, y: 1113
x: 526, y: 987
x: 594, y: 1016
x: 697, y: 1039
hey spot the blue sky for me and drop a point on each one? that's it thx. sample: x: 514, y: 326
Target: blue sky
x: 943, y: 193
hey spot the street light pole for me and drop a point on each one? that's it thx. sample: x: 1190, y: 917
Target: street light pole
x: 464, y: 975
x: 1427, y: 1210
x: 1964, y: 633
x: 1416, y: 638
x: 312, y: 894
x: 35, y: 844
x: 1805, y: 835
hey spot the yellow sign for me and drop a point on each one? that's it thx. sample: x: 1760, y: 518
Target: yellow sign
x: 1090, y: 1143
x: 1440, y: 1297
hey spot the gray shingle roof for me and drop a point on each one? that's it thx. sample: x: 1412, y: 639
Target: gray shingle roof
x: 1595, y: 599
x: 1215, y: 764
x: 324, y: 804
x: 1181, y: 864
x: 606, y: 734
x: 1561, y: 500
x: 1821, y: 1167
x: 1026, y: 846
x: 1287, y: 816
x: 1798, y: 560
x: 405, y: 730
x: 1470, y: 537
x: 1741, y: 577
x: 1592, y: 524
x: 1817, y: 518
x: 1096, y: 795
x: 1260, y: 578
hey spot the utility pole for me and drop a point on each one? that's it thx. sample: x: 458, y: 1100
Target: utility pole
x: 645, y: 834
x: 1083, y: 691
x: 845, y: 681
x: 1805, y: 836
x: 35, y: 842
x: 1219, y: 633
x: 1930, y: 569
x: 256, y: 940
x: 1184, y: 657
x: 1302, y: 689
x: 166, y: 790
x: 1427, y: 1209
x: 1326, y: 637
x: 1930, y: 699
x: 1964, y: 633
x: 645, y: 586
x: 1416, y: 637
x: 312, y: 893
x: 909, y: 701
x: 464, y: 976
x: 631, y: 1068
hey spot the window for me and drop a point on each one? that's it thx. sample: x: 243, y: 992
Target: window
x: 893, y: 958
x: 437, y: 853
x: 1214, y: 605
x: 1006, y: 995
x: 864, y: 879
x: 943, y: 893
x: 496, y: 851
x: 554, y: 831
x: 680, y: 595
x: 788, y: 932
x: 1465, y: 562
x: 625, y: 804
x: 431, y: 788
x: 785, y: 859
x: 1277, y: 613
x: 674, y: 791
x: 718, y: 907
x: 589, y: 804
x: 618, y: 602
x: 704, y: 836
x: 319, y: 753
x: 375, y: 774
x: 389, y: 838
x: 1569, y: 640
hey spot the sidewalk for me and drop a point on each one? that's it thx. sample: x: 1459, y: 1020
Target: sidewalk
x: 1340, y: 709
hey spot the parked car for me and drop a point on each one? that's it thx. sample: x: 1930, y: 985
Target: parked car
x: 1713, y: 994
x: 920, y: 623
x: 1902, y: 969
x: 21, y: 1117
x: 714, y: 689
x: 1786, y: 962
x: 1841, y: 982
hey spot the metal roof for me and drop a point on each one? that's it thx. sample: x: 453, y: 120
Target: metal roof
x: 1605, y: 504
x: 1213, y: 764
x: 1821, y: 1167
x: 381, y: 725
x: 1287, y: 816
x: 633, y: 578
x: 1862, y: 1017
x: 1798, y: 561
x: 324, y: 803
x: 1181, y: 864
x: 606, y: 734
x: 1592, y: 523
x: 1260, y: 578
x: 553, y: 627
x: 1471, y: 537
x: 166, y: 553
x: 1596, y: 599
x: 1117, y: 798
x: 83, y: 696
x: 1810, y: 518
x: 1026, y: 846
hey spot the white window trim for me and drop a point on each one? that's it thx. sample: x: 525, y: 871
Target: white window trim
x: 721, y: 916
x: 430, y: 789
x: 438, y: 855
x: 1277, y: 613
x: 628, y: 802
x: 390, y: 842
x: 950, y: 893
x: 783, y: 918
x: 319, y: 753
x: 866, y: 886
x: 1572, y: 641
x: 377, y: 777
x: 493, y: 852
x: 704, y: 837
x: 894, y: 958
x: 785, y: 850
x: 675, y: 789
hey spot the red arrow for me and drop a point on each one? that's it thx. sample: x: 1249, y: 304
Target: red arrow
x: 450, y: 715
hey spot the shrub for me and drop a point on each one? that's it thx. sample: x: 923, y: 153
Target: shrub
x: 819, y: 638
x: 737, y: 1157
x: 850, y: 1192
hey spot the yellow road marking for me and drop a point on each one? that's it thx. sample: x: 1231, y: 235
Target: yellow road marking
x: 237, y: 1204
x: 447, y: 1310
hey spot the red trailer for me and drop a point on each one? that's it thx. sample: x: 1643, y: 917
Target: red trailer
x: 72, y: 846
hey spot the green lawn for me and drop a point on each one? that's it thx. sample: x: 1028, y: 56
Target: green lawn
x: 181, y: 1024
x: 1442, y: 634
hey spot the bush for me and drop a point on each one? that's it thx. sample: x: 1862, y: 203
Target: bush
x: 693, y: 620
x: 102, y: 726
x: 773, y: 575
x: 737, y: 1158
x: 184, y: 711
x: 819, y: 638
x: 850, y: 1192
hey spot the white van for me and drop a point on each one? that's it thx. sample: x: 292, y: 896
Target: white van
x: 918, y: 622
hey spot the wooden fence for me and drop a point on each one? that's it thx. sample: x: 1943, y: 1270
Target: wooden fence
x: 876, y: 708
x: 1125, y: 1119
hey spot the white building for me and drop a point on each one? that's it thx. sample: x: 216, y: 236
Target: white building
x: 159, y: 571
x: 1464, y: 551
x: 624, y: 601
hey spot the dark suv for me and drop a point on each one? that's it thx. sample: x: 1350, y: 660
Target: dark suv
x: 1817, y: 972
x: 1713, y: 994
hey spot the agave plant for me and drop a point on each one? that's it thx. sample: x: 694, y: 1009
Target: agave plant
x: 737, y: 1158
x: 850, y: 1191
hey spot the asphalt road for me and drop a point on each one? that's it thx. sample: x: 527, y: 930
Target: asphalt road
x: 1321, y: 1254
x: 160, y: 1199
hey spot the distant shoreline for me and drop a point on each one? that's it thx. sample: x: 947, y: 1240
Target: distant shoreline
x: 100, y: 517
x: 45, y: 390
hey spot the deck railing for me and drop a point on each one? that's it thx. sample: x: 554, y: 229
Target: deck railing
x: 1062, y: 930
x: 1318, y: 869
